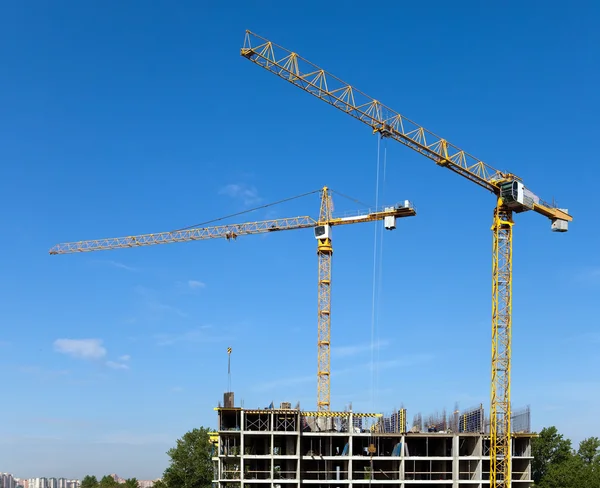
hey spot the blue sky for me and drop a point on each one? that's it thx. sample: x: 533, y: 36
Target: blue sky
x: 125, y: 119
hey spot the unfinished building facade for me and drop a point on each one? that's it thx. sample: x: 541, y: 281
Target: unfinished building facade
x: 287, y: 448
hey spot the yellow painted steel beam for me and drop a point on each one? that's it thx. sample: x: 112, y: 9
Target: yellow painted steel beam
x: 341, y: 414
x: 269, y: 411
x: 329, y: 413
x: 230, y: 231
x: 500, y: 414
x: 383, y: 120
x: 324, y: 253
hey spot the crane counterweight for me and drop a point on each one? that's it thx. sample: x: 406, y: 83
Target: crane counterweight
x: 560, y: 225
x: 390, y: 221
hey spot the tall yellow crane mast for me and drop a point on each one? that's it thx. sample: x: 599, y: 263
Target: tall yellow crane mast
x: 322, y: 231
x: 511, y: 196
x: 324, y: 253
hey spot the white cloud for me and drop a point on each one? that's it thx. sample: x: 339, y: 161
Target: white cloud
x: 586, y: 338
x: 552, y: 408
x: 116, y: 365
x: 36, y: 370
x: 295, y: 380
x: 247, y: 193
x: 114, y: 264
x: 196, y: 284
x: 398, y: 362
x: 199, y: 334
x: 80, y: 348
x: 346, y: 351
x: 406, y: 361
x: 125, y: 437
x: 402, y: 362
x: 125, y: 357
x: 117, y: 264
x: 154, y: 306
x: 590, y: 275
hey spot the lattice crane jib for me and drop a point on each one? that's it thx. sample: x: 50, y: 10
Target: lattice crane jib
x: 322, y: 230
x: 512, y: 196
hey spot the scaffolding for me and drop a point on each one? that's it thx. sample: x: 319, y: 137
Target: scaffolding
x: 417, y: 425
x: 392, y: 424
x: 521, y: 420
x: 471, y: 420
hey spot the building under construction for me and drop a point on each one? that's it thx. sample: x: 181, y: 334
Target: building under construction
x: 286, y: 447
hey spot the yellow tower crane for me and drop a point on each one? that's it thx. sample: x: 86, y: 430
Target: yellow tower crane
x: 511, y: 196
x: 322, y: 231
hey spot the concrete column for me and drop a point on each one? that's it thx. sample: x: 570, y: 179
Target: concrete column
x: 299, y: 453
x: 402, y: 468
x: 455, y: 461
x: 271, y: 456
x: 350, y: 446
x: 218, y: 474
x: 479, y: 453
x: 242, y: 453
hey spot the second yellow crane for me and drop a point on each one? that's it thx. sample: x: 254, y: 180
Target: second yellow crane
x: 511, y: 196
x: 322, y: 229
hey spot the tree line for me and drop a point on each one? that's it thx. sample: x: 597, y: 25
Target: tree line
x: 190, y: 466
x: 556, y: 464
x: 107, y: 482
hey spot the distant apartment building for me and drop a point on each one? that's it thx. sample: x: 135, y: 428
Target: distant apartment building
x: 145, y: 483
x: 7, y: 481
x: 38, y: 483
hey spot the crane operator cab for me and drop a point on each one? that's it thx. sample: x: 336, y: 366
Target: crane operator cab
x: 517, y: 197
x: 520, y: 199
x: 323, y: 232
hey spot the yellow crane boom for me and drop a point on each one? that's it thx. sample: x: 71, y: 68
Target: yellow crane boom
x: 327, y: 87
x: 322, y: 229
x: 229, y: 231
x: 512, y: 196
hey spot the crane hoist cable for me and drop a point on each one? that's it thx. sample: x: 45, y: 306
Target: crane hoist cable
x: 229, y: 369
x: 379, y: 304
x: 374, y: 280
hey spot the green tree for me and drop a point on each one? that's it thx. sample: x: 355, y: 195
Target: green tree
x: 159, y: 484
x: 589, y: 450
x: 549, y: 449
x: 108, y: 482
x: 568, y: 473
x: 131, y: 483
x: 191, y: 463
x: 89, y: 482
